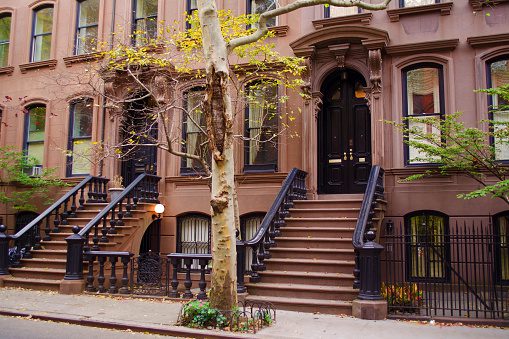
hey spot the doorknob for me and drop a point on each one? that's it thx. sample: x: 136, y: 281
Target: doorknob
x: 351, y: 154
x: 344, y: 156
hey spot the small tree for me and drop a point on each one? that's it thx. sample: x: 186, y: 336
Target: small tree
x: 451, y: 147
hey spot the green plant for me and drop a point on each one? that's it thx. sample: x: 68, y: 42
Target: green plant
x: 199, y: 314
x: 405, y: 296
x: 15, y: 167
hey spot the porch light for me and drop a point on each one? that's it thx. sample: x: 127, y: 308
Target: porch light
x: 159, y: 209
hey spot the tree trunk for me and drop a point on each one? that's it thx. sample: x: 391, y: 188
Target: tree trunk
x: 219, y: 115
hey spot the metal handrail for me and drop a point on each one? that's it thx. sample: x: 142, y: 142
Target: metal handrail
x: 104, y: 212
x: 271, y: 213
x: 54, y: 206
x: 367, y: 206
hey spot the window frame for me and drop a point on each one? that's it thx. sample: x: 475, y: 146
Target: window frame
x: 135, y: 20
x: 249, y: 7
x: 408, y: 248
x: 327, y: 13
x: 79, y: 28
x: 498, y: 249
x: 189, y: 10
x: 489, y: 84
x: 404, y: 85
x: 34, y: 36
x: 184, y: 169
x: 402, y: 4
x: 259, y: 168
x: 178, y: 245
x: 7, y: 42
x: 26, y: 142
x: 71, y: 138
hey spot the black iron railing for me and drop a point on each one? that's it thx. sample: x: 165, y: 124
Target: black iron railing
x: 175, y: 259
x: 111, y: 285
x: 446, y: 273
x: 90, y: 189
x: 293, y: 188
x: 365, y: 248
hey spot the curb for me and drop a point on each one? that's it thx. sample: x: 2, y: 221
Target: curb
x: 176, y: 331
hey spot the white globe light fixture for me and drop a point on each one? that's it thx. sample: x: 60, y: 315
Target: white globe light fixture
x: 159, y: 209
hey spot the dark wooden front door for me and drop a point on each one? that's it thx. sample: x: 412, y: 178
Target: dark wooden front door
x: 344, y: 132
x: 138, y: 158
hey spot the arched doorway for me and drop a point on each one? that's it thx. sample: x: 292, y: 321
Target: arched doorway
x: 151, y: 241
x: 344, y: 134
x: 138, y: 131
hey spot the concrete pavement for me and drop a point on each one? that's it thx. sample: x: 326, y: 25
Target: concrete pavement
x: 159, y: 316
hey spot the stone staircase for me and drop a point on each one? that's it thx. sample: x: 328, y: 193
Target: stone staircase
x: 45, y: 269
x: 311, y: 268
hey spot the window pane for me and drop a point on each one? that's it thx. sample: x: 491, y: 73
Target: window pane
x: 5, y: 28
x: 425, y: 127
x: 342, y: 11
x: 194, y: 236
x: 499, y: 72
x: 260, y: 6
x: 82, y: 119
x: 4, y: 54
x: 36, y: 123
x: 262, y: 123
x: 81, y: 154
x: 413, y: 3
x: 43, y: 20
x: 503, y: 233
x: 36, y: 150
x: 86, y: 40
x: 145, y: 8
x: 423, y: 91
x: 88, y: 12
x: 195, y: 140
x: 193, y: 5
x: 42, y: 48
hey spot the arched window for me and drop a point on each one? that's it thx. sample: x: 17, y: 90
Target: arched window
x: 423, y: 98
x: 414, y: 3
x: 261, y: 127
x: 194, y: 138
x: 87, y: 26
x: 35, y: 124
x: 80, y: 137
x: 261, y: 6
x: 501, y: 232
x: 41, y: 33
x: 144, y: 21
x: 498, y: 75
x: 249, y: 224
x: 427, y: 250
x: 5, y: 33
x: 193, y: 234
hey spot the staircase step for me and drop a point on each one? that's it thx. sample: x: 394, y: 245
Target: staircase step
x: 304, y: 291
x: 315, y: 242
x: 62, y: 245
x: 90, y: 213
x: 350, y: 212
x: 44, y: 263
x: 313, y: 253
x: 31, y: 283
x: 62, y: 235
x: 339, y: 203
x: 310, y: 265
x: 319, y: 232
x: 40, y: 273
x: 306, y: 305
x: 49, y: 254
x: 321, y: 222
x: 312, y: 278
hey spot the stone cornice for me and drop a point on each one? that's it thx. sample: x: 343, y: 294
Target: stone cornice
x: 51, y: 64
x: 488, y: 40
x: 7, y: 70
x: 423, y: 47
x: 361, y: 19
x: 443, y: 8
x: 70, y: 60
x: 241, y: 179
x: 477, y: 5
x: 280, y: 31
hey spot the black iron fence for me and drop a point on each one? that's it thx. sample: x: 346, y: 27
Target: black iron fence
x: 436, y: 270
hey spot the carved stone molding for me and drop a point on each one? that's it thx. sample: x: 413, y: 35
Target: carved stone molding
x: 339, y: 52
x: 160, y: 89
x: 488, y: 40
x: 317, y: 98
x: 280, y: 31
x: 69, y: 61
x: 423, y: 47
x: 7, y: 70
x: 51, y: 64
x: 362, y: 19
x: 477, y: 5
x: 306, y: 77
x: 375, y: 71
x: 444, y: 9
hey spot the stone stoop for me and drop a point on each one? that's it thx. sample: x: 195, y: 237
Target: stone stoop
x: 45, y: 270
x: 311, y: 268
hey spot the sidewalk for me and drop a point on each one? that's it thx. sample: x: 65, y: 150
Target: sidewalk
x: 160, y: 316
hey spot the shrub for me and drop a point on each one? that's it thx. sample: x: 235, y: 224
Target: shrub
x: 199, y: 314
x: 405, y: 296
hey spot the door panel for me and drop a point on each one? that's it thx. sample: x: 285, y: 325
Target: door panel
x: 344, y: 136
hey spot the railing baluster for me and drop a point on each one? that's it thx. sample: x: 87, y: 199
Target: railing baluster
x: 202, y: 284
x: 188, y: 282
x: 113, y: 276
x: 125, y: 278
x: 95, y: 238
x: 112, y: 230
x: 104, y: 230
x: 56, y: 221
x: 64, y: 214
x: 174, y: 281
x: 100, y: 278
x: 90, y: 275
